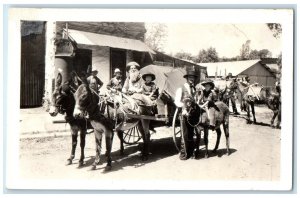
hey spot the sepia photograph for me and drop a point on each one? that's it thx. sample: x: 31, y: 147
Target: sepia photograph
x: 150, y: 99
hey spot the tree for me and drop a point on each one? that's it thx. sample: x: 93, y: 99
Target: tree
x: 207, y: 56
x: 255, y: 54
x: 276, y: 29
x: 156, y: 35
x: 245, y: 51
x: 184, y: 55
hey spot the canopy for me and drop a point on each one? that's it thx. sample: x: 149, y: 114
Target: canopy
x: 159, y: 72
x: 88, y: 38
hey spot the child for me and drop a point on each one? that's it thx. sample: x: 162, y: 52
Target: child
x: 206, y: 100
x: 149, y: 87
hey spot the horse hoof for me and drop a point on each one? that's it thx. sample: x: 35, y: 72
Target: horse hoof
x: 196, y: 154
x: 107, y: 168
x: 206, y: 156
x: 69, y: 162
x: 144, y: 158
x: 278, y: 127
x: 93, y: 167
x: 80, y: 164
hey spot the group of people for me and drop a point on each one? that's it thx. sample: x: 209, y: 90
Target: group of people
x: 134, y: 83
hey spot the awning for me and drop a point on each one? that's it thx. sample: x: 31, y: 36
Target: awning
x: 88, y: 38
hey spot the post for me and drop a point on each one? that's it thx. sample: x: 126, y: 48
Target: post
x: 49, y: 61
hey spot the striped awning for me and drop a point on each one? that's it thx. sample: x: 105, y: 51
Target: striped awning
x: 88, y: 38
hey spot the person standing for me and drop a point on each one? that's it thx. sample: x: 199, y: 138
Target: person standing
x: 232, y: 93
x: 94, y: 82
x: 186, y: 91
x: 115, y: 84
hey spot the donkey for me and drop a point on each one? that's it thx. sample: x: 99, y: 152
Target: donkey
x: 252, y: 94
x: 63, y: 102
x: 87, y: 101
x: 202, y: 123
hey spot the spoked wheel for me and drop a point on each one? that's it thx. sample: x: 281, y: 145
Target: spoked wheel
x: 176, y: 129
x: 132, y: 135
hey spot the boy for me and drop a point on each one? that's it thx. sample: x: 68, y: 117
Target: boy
x: 149, y: 87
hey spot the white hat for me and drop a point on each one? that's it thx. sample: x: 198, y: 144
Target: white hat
x: 117, y: 70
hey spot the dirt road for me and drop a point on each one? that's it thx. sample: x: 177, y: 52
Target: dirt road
x: 255, y: 156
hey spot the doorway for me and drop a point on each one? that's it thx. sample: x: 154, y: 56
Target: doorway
x: 118, y: 60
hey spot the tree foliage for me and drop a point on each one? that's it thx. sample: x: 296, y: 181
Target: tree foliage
x: 276, y: 29
x: 245, y: 51
x: 155, y: 36
x: 184, y: 55
x: 207, y: 56
x: 257, y: 54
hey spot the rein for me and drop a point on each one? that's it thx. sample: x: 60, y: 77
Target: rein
x: 200, y: 119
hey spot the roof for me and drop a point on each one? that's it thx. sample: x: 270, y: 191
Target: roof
x: 88, y: 38
x: 235, y: 67
x: 273, y: 67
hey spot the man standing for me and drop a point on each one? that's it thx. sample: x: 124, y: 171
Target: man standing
x: 115, y: 84
x: 94, y: 82
x: 231, y: 93
x: 186, y: 91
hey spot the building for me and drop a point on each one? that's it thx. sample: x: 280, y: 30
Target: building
x: 103, y: 45
x: 256, y: 70
x: 33, y: 42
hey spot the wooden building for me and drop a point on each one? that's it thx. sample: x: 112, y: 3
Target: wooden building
x: 255, y: 69
x: 32, y: 63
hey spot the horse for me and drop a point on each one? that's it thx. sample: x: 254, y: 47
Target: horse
x: 63, y: 102
x: 253, y: 94
x: 225, y: 90
x: 86, y: 101
x: 202, y: 123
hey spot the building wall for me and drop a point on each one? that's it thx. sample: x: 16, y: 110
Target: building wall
x: 259, y: 74
x: 32, y: 64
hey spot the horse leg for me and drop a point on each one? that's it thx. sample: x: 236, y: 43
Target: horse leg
x: 82, y: 145
x: 253, y: 112
x: 226, y: 131
x: 120, y: 135
x: 197, y: 143
x: 273, y: 118
x: 206, y: 141
x: 278, y: 119
x: 247, y: 106
x: 98, y: 140
x: 108, y: 141
x: 218, y: 131
x: 74, y: 144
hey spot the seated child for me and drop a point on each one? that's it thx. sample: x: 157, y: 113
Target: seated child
x: 206, y: 100
x: 149, y: 88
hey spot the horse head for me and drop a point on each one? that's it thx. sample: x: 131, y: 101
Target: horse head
x: 83, y: 100
x: 62, y: 97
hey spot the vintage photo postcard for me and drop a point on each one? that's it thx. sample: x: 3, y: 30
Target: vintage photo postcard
x: 149, y: 99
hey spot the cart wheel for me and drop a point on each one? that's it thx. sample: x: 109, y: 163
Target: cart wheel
x: 132, y: 135
x: 176, y: 130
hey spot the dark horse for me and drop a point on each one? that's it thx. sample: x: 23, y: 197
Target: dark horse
x: 63, y: 102
x: 260, y: 94
x: 201, y: 123
x: 104, y: 122
x: 86, y: 101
